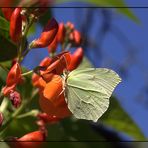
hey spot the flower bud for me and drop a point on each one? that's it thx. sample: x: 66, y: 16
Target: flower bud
x: 76, y: 59
x: 15, y: 99
x: 33, y: 136
x: 16, y: 25
x: 14, y: 75
x: 30, y: 140
x: 77, y: 38
x: 70, y: 25
x: 47, y: 36
x: 13, y: 78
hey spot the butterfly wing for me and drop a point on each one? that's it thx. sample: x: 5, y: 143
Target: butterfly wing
x: 88, y: 92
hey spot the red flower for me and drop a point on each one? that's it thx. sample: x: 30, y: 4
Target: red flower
x: 47, y: 36
x: 61, y: 33
x: 30, y: 140
x: 53, y: 46
x: 76, y: 59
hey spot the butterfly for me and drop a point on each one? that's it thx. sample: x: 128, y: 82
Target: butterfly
x: 87, y: 91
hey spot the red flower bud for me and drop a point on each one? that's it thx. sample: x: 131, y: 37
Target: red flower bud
x: 33, y: 136
x: 70, y: 25
x: 77, y: 38
x: 47, y: 36
x: 30, y: 140
x: 7, y: 12
x: 76, y: 59
x: 14, y: 75
x: 13, y: 78
x: 16, y: 25
x: 61, y: 33
x: 15, y: 99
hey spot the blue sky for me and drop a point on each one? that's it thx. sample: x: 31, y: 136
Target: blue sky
x: 131, y: 91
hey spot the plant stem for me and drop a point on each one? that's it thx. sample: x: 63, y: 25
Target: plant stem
x: 27, y: 73
x: 33, y: 112
x: 4, y: 104
x: 24, y: 35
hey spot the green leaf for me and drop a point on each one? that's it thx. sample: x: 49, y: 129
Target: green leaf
x: 19, y: 127
x: 109, y: 3
x: 8, y: 50
x: 4, y: 24
x: 4, y: 27
x: 79, y: 130
x: 118, y: 119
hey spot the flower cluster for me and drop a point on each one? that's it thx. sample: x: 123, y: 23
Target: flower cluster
x: 48, y: 77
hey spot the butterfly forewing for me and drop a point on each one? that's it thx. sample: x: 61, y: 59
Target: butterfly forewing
x: 88, y: 91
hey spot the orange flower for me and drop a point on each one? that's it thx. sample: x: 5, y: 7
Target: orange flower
x: 50, y: 84
x: 13, y: 78
x: 52, y: 100
x: 38, y: 80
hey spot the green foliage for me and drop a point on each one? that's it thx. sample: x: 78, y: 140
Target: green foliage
x: 118, y: 119
x: 8, y: 49
x: 4, y: 24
